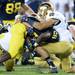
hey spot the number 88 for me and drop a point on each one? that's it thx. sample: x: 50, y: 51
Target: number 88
x: 12, y: 8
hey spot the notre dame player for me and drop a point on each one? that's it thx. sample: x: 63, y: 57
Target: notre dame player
x: 46, y: 12
x: 48, y: 17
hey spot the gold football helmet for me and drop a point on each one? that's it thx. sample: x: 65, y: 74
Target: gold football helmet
x: 44, y: 8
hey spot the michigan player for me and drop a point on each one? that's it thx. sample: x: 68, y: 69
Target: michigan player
x: 12, y: 42
x: 48, y: 18
x: 52, y: 66
x: 9, y: 8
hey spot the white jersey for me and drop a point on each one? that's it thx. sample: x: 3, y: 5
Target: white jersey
x: 4, y: 41
x: 61, y: 28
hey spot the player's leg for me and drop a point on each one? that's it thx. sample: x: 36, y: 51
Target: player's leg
x: 45, y: 55
x: 5, y: 56
x: 66, y: 64
x: 41, y: 63
x: 9, y: 65
x: 56, y: 60
x: 15, y: 47
x: 59, y: 48
x: 63, y: 50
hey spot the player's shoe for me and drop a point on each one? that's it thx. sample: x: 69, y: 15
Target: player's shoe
x: 53, y: 69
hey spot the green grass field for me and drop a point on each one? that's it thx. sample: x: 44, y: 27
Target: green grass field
x: 28, y: 70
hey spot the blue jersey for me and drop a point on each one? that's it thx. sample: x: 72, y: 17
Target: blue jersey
x: 9, y: 8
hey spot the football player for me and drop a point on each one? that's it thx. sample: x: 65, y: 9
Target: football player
x: 12, y: 43
x: 49, y: 18
x: 9, y: 8
x: 47, y: 30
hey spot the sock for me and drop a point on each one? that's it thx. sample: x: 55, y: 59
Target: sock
x: 50, y: 62
x: 34, y: 54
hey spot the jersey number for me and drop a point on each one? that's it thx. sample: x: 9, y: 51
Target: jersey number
x: 55, y: 34
x: 12, y: 8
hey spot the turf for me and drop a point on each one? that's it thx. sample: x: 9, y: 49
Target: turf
x: 29, y: 70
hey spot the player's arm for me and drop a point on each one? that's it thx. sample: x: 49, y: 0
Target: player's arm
x: 26, y: 9
x: 44, y: 24
x: 40, y: 24
x: 5, y: 56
